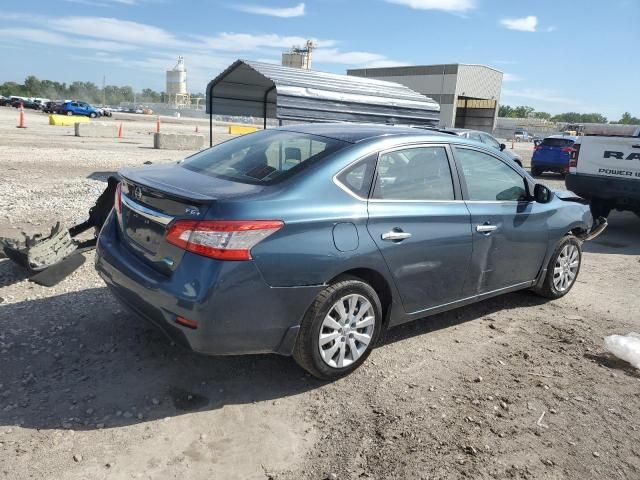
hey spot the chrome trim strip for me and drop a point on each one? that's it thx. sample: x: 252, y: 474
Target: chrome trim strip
x: 146, y: 212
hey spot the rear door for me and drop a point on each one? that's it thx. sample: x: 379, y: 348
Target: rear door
x: 509, y: 230
x: 420, y: 224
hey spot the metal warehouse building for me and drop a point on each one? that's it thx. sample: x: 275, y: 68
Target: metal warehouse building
x: 468, y: 94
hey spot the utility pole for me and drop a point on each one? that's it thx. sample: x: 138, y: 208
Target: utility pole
x: 104, y: 92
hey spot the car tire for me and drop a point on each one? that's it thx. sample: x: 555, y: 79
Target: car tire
x: 563, y: 269
x: 69, y: 113
x: 92, y: 115
x: 536, y: 172
x: 344, y: 346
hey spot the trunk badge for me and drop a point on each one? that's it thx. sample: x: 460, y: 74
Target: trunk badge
x: 137, y: 192
x: 192, y: 211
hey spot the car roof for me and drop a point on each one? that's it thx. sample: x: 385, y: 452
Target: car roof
x: 359, y: 132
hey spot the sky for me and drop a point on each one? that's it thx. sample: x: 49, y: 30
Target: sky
x: 557, y: 56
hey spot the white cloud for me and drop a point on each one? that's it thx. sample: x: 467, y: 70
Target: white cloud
x: 287, y: 12
x: 542, y: 95
x: 104, y: 3
x: 110, y: 28
x: 510, y: 77
x: 524, y: 24
x: 33, y: 35
x: 356, y: 58
x: 250, y: 42
x: 457, y: 6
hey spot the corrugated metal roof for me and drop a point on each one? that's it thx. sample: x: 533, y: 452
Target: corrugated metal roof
x: 257, y: 89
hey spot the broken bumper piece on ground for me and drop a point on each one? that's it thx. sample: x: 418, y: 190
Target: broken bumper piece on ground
x: 48, y: 260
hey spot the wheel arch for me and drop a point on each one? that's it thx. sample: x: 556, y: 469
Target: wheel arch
x: 378, y: 282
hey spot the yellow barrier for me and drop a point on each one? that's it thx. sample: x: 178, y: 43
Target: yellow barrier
x: 241, y: 130
x: 67, y: 121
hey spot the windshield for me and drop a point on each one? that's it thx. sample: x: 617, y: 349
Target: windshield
x: 557, y: 142
x: 264, y: 157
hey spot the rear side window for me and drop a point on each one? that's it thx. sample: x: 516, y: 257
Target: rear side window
x: 557, y: 142
x: 421, y: 173
x: 358, y: 177
x: 264, y: 157
x: 489, y: 179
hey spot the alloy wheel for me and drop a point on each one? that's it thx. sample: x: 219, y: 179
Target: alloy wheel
x: 566, y: 268
x: 346, y: 331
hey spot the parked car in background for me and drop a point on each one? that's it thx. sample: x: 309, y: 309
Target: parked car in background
x: 104, y: 111
x: 521, y: 135
x: 4, y: 101
x: 606, y: 171
x: 484, y: 137
x: 311, y: 240
x: 27, y: 104
x: 79, y: 108
x: 52, y: 107
x: 552, y: 155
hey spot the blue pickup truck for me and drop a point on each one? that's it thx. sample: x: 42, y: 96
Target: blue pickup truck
x: 78, y: 108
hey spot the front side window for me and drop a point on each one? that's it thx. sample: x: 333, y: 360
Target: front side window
x: 489, y: 179
x: 421, y: 173
x: 264, y: 157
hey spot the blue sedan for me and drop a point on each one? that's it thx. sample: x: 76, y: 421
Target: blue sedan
x: 312, y: 240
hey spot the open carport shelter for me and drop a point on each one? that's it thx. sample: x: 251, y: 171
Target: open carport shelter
x: 269, y: 91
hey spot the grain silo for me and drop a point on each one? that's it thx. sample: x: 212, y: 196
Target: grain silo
x: 177, y: 94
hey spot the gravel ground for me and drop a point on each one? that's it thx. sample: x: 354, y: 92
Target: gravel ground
x: 513, y: 387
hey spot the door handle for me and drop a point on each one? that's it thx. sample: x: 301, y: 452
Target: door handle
x: 395, y: 235
x: 486, y: 228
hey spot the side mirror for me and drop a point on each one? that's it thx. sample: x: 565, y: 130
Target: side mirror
x: 502, y: 146
x: 542, y: 194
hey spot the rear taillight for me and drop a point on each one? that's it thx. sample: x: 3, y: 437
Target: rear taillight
x: 537, y: 147
x: 573, y: 156
x: 223, y: 240
x: 118, y: 199
x: 567, y: 149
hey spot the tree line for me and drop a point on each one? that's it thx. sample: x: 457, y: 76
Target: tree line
x: 83, y: 91
x: 524, y: 111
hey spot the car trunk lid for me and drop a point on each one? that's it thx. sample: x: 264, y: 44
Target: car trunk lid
x: 153, y: 197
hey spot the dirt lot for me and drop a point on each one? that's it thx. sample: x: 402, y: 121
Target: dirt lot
x: 513, y: 387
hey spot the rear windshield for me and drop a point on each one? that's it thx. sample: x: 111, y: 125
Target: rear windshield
x: 264, y: 157
x: 557, y: 142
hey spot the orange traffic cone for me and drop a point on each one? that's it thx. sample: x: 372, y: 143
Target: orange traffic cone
x: 120, y: 131
x: 158, y: 125
x: 21, y: 124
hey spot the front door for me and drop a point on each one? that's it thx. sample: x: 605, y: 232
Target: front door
x: 509, y: 229
x: 421, y: 226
